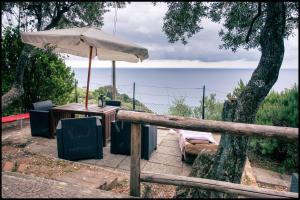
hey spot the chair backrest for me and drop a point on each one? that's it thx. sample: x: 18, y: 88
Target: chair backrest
x: 113, y: 103
x: 43, y: 105
x: 80, y: 138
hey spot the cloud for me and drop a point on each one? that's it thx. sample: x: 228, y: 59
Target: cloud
x: 141, y: 23
x: 77, y: 62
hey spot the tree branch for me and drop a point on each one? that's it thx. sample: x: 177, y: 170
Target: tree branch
x: 253, y: 20
x: 59, y: 15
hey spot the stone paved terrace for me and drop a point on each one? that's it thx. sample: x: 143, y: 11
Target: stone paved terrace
x: 16, y: 185
x: 166, y: 159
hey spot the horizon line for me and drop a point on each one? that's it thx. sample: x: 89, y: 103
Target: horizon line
x: 109, y: 67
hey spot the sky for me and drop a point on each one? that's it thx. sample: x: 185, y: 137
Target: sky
x: 141, y: 23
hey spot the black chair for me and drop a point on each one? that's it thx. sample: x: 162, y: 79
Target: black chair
x: 294, y: 183
x: 113, y: 103
x: 40, y: 119
x: 79, y: 138
x: 121, y: 139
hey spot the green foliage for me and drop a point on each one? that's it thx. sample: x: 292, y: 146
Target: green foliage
x: 11, y: 46
x: 126, y: 101
x: 45, y: 77
x: 183, y: 20
x: 212, y: 108
x: 180, y: 108
x: 279, y: 109
x: 49, y: 72
x: 106, y: 91
x: 49, y: 14
x: 237, y: 90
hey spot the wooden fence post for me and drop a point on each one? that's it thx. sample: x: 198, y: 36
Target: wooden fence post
x: 135, y: 187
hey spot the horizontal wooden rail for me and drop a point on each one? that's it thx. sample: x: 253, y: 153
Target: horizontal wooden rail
x: 208, y: 125
x: 244, y: 190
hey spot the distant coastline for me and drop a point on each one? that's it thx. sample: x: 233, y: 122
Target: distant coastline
x: 158, y: 87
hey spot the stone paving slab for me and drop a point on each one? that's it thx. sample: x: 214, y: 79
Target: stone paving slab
x: 125, y: 164
x: 169, y: 150
x: 186, y: 169
x: 170, y: 143
x: 92, y: 179
x: 44, y: 149
x: 170, y: 136
x: 161, y: 169
x: 89, y: 161
x: 16, y: 185
x: 160, y: 139
x: 113, y: 160
x: 166, y: 159
x: 19, y: 136
x: 163, y: 132
x: 271, y: 177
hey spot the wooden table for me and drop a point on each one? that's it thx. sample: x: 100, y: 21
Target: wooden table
x: 107, y: 114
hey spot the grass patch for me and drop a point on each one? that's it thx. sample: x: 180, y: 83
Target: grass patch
x: 15, y: 167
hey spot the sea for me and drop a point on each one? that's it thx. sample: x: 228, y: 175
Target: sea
x: 158, y: 88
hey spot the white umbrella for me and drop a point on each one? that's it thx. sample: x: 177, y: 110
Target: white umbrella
x: 87, y: 42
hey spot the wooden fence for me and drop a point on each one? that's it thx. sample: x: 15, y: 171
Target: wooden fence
x: 198, y: 125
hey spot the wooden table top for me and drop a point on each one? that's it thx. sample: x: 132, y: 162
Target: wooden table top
x: 80, y: 108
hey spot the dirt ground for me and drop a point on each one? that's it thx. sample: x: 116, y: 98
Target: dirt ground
x: 15, y: 158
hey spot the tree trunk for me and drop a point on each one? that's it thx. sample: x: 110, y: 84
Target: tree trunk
x: 228, y: 164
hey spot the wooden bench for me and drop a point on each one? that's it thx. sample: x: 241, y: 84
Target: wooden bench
x: 15, y: 118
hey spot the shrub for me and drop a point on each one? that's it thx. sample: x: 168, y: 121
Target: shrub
x: 279, y: 109
x: 45, y: 77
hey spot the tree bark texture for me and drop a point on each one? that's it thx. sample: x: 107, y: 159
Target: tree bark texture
x: 228, y: 164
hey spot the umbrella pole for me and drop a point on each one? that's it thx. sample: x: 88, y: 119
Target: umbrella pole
x: 113, y: 80
x: 88, y: 80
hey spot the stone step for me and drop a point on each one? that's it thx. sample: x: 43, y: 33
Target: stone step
x: 272, y: 178
x: 16, y: 185
x: 93, y: 179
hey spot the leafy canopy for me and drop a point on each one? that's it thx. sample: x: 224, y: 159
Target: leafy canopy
x: 183, y: 20
x: 45, y: 77
x: 45, y: 15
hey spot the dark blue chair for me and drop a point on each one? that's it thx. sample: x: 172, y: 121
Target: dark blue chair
x: 294, y: 183
x: 121, y: 139
x: 113, y: 103
x: 79, y: 138
x: 40, y: 119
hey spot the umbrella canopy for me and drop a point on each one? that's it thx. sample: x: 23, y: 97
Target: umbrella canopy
x: 87, y: 42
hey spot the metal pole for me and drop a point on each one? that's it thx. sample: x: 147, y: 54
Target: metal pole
x: 133, y: 98
x: 88, y: 81
x: 203, y: 107
x: 76, y: 96
x: 113, y: 80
